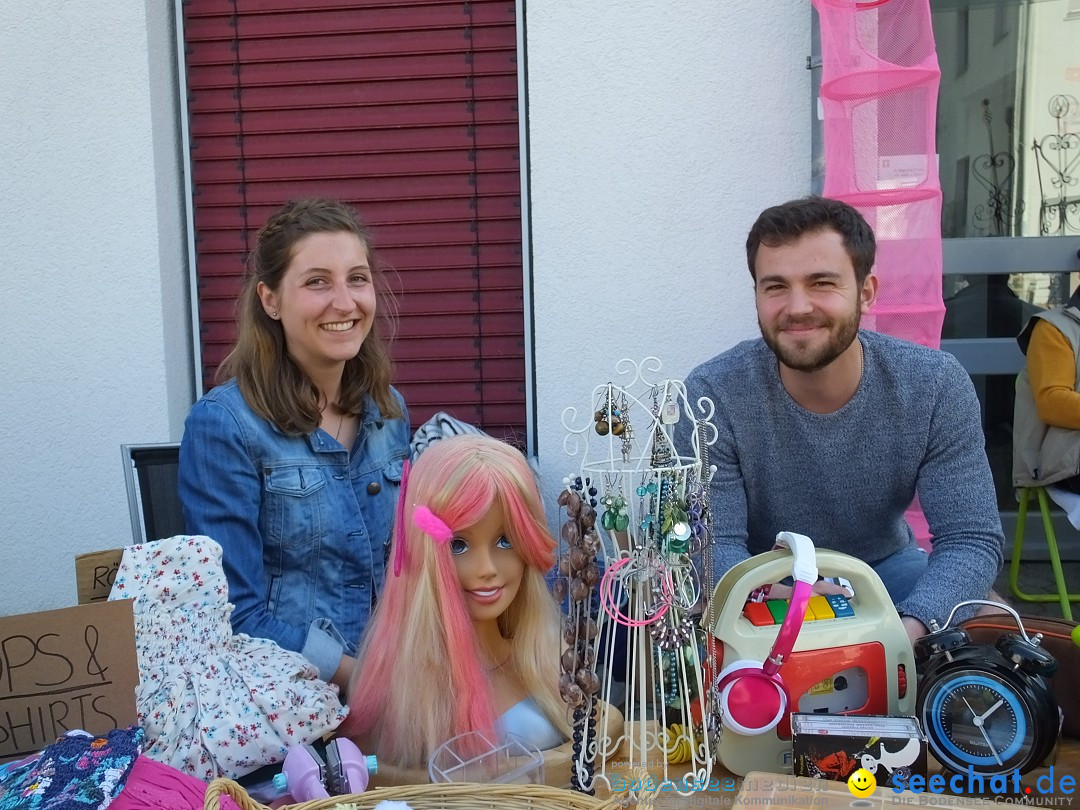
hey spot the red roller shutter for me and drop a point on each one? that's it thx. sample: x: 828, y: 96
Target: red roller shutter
x: 406, y: 109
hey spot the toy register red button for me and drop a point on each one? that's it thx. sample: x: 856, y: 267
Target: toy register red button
x: 758, y: 614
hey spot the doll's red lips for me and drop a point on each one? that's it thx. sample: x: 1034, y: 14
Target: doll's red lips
x: 486, y: 596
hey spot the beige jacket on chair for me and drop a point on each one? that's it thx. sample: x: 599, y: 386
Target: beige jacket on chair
x: 1044, y: 454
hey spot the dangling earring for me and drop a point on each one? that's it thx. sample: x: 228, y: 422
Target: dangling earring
x: 601, y: 419
x: 618, y: 416
x: 602, y: 416
x: 609, y: 416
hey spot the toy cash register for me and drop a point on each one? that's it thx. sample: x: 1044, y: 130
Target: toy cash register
x: 829, y: 655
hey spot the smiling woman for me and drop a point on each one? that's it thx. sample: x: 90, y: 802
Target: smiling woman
x: 293, y: 463
x: 326, y: 304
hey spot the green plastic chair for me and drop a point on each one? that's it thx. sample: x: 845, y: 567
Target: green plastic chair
x: 1062, y: 595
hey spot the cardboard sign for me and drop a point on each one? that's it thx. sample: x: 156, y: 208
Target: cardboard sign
x: 74, y: 668
x: 95, y: 573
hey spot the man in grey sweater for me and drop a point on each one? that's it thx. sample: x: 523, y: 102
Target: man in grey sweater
x: 830, y: 431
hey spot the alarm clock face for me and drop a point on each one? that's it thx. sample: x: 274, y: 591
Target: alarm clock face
x: 974, y: 717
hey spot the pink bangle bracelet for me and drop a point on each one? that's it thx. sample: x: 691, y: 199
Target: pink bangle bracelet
x: 607, y: 599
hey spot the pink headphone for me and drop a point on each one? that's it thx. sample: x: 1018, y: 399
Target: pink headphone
x: 753, y: 697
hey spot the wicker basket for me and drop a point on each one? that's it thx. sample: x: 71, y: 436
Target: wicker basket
x: 444, y: 796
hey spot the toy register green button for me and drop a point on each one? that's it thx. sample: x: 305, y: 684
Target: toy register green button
x: 778, y: 609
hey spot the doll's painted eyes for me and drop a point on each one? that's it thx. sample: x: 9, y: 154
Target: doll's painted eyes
x: 459, y: 545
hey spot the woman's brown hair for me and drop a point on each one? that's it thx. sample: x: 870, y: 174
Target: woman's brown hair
x: 274, y: 386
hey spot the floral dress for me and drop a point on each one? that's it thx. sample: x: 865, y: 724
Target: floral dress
x: 212, y: 703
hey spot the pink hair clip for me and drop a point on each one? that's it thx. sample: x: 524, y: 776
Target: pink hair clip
x: 424, y: 519
x: 430, y: 523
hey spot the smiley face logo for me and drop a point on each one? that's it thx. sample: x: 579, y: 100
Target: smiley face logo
x: 862, y: 783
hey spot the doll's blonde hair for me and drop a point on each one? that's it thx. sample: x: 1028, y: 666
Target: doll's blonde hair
x: 420, y: 679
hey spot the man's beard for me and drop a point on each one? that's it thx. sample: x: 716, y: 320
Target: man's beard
x: 842, y: 332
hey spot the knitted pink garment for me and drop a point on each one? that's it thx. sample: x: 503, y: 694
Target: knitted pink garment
x: 152, y: 785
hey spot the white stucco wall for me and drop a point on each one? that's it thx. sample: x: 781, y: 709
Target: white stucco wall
x: 93, y: 283
x: 658, y: 132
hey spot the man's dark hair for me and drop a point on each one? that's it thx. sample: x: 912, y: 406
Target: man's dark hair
x: 783, y: 224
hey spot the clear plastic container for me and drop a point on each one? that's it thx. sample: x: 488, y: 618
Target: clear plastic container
x: 513, y: 762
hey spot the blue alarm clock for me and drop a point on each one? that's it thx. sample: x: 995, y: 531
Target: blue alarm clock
x: 987, y: 707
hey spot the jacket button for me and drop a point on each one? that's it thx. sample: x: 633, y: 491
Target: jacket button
x: 374, y: 488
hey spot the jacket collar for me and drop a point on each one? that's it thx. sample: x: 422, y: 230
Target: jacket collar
x: 371, y: 418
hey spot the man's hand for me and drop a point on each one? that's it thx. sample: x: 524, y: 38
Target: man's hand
x: 915, y: 629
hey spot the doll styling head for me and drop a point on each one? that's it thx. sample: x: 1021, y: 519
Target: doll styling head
x: 423, y: 676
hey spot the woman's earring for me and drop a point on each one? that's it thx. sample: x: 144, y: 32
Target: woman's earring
x: 274, y: 314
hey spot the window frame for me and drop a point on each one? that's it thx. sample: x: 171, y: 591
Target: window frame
x: 528, y: 426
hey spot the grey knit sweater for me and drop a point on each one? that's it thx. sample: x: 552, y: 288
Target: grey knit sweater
x: 845, y: 478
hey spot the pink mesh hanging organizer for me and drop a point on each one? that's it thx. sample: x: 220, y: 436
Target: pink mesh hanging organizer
x: 879, y: 89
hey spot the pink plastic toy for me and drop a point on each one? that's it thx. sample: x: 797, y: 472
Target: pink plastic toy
x: 306, y: 776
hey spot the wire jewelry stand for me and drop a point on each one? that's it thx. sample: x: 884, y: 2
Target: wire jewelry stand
x: 639, y: 508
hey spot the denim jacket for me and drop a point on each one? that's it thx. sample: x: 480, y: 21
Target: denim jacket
x: 303, y: 524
